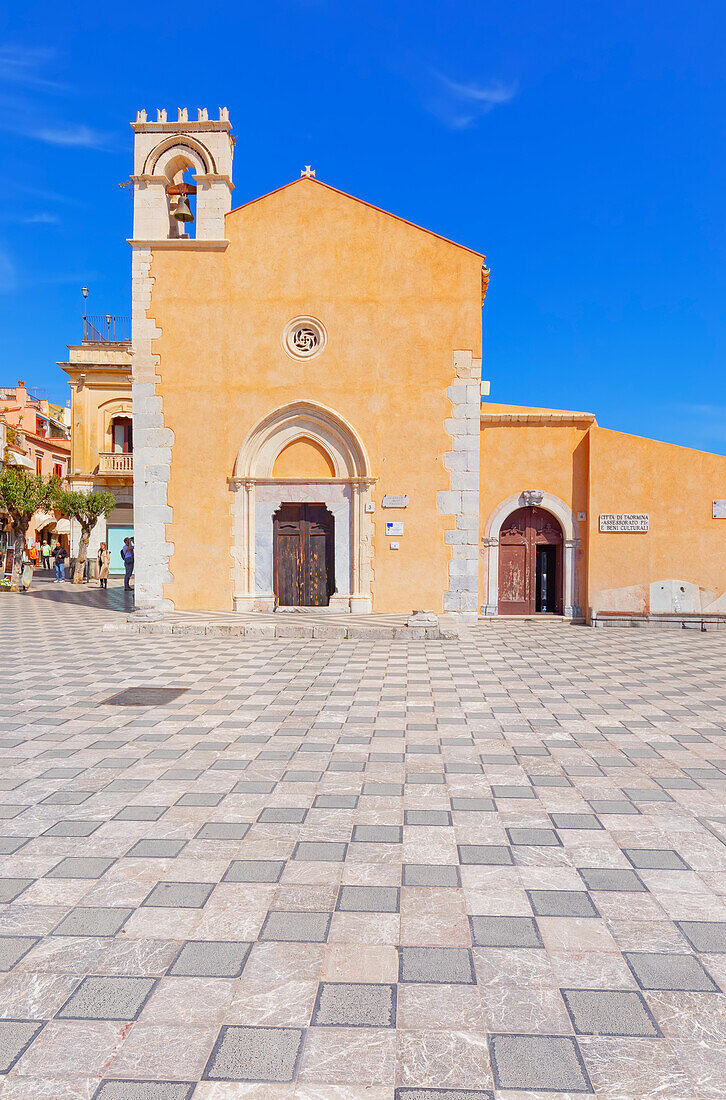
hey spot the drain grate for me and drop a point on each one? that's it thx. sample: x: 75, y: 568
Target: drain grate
x: 143, y: 697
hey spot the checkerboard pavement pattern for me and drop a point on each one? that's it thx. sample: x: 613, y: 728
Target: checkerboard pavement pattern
x: 401, y: 870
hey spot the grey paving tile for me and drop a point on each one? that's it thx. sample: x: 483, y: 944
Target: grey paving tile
x: 426, y: 778
x: 505, y: 932
x: 472, y: 805
x: 107, y: 998
x: 354, y: 1004
x: 330, y: 851
x: 223, y: 830
x: 368, y: 899
x: 179, y: 895
x: 562, y: 903
x: 613, y: 806
x: 669, y: 971
x: 255, y: 1054
x: 609, y: 1012
x: 210, y: 959
x: 253, y: 786
x: 655, y: 859
x: 335, y: 802
x: 427, y: 817
x: 509, y: 790
x: 11, y: 888
x: 156, y: 849
x: 11, y: 844
x: 93, y: 921
x: 13, y: 949
x: 254, y: 870
x: 140, y: 813
x: 707, y: 937
x: 81, y: 867
x: 382, y: 790
x: 282, y: 815
x: 546, y: 838
x: 575, y: 821
x: 436, y: 965
x: 646, y: 794
x: 431, y: 874
x: 616, y: 879
x: 15, y: 1038
x: 442, y: 1094
x: 73, y: 828
x: 546, y: 1063
x: 202, y: 798
x: 377, y: 834
x: 493, y: 855
x: 145, y: 1090
x: 295, y: 927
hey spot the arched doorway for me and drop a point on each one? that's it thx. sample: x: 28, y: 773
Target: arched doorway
x: 298, y: 459
x: 303, y: 555
x: 530, y: 563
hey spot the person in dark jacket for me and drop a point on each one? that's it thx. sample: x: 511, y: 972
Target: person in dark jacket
x: 127, y: 554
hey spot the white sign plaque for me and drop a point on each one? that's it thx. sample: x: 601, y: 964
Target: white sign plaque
x: 394, y: 528
x: 624, y: 521
x: 393, y: 501
x: 719, y: 509
x: 394, y: 546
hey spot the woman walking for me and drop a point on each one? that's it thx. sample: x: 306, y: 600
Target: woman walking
x: 104, y: 559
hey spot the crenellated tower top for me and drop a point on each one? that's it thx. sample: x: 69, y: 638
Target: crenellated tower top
x: 187, y: 162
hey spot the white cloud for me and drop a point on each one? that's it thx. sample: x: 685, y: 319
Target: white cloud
x: 41, y: 219
x: 459, y: 105
x: 71, y: 136
x: 23, y: 67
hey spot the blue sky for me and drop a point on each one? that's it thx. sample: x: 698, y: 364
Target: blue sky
x: 580, y: 145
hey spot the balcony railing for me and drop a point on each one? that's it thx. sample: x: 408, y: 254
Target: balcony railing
x: 107, y: 328
x: 110, y: 462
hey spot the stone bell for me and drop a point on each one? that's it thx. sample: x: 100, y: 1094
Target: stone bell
x: 182, y: 211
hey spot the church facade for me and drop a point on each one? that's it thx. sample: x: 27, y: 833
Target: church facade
x: 332, y: 354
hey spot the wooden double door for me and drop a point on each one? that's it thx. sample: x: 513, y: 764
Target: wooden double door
x: 530, y: 563
x: 303, y: 555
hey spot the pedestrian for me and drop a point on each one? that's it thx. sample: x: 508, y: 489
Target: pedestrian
x: 104, y: 560
x: 45, y: 555
x: 60, y: 556
x: 33, y: 554
x: 127, y: 554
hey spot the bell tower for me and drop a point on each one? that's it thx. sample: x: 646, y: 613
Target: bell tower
x: 165, y: 155
x: 177, y: 165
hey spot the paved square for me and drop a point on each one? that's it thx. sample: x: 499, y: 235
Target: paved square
x: 255, y: 1054
x: 457, y: 869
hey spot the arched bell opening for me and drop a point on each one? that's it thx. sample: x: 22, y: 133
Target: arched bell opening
x: 181, y: 197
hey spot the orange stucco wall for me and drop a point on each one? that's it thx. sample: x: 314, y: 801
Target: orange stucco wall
x: 515, y: 457
x: 676, y: 487
x: 594, y: 470
x: 396, y: 302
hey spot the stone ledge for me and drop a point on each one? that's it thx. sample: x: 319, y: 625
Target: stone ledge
x: 667, y: 621
x: 286, y: 630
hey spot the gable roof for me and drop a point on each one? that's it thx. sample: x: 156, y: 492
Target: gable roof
x: 354, y: 198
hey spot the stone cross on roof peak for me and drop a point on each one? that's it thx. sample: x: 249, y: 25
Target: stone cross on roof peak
x: 308, y: 171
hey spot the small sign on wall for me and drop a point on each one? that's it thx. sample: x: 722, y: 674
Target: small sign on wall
x: 394, y: 546
x: 394, y: 528
x: 624, y: 521
x: 719, y: 509
x: 395, y: 501
x: 581, y: 517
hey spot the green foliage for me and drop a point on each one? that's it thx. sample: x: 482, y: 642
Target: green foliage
x: 22, y: 494
x: 85, y: 508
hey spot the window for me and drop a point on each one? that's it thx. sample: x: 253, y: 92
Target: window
x: 121, y: 435
x: 57, y: 470
x: 38, y: 462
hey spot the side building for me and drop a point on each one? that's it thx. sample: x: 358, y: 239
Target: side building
x: 99, y: 372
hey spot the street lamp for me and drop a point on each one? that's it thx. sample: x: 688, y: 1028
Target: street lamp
x: 84, y: 292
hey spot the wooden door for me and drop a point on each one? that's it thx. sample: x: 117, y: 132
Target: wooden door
x: 530, y: 563
x: 303, y: 555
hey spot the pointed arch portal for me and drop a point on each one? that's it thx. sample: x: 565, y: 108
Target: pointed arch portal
x: 260, y: 498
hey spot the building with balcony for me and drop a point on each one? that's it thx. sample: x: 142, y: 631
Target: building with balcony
x: 36, y: 437
x: 99, y: 372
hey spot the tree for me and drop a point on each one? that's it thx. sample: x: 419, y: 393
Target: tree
x: 22, y: 494
x: 86, y: 509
